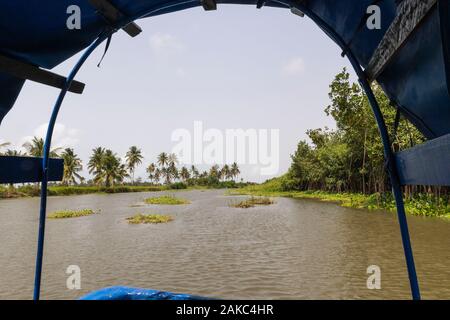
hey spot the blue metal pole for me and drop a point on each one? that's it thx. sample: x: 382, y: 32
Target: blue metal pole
x: 388, y: 153
x: 45, y: 161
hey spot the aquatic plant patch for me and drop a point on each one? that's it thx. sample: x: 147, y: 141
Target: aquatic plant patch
x: 252, y: 202
x: 149, y: 218
x: 166, y: 200
x: 70, y: 214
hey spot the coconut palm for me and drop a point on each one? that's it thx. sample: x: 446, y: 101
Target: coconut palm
x: 163, y: 159
x: 166, y: 174
x: 151, y: 171
x: 35, y: 148
x: 113, y: 171
x: 173, y: 159
x: 184, y: 174
x: 173, y: 171
x: 13, y: 153
x: 157, y: 175
x: 95, y: 164
x: 134, y: 158
x: 3, y: 145
x: 234, y: 170
x: 214, y: 172
x: 72, y: 165
x: 226, y: 172
x: 194, y: 172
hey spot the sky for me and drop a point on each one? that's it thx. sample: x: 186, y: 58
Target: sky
x: 234, y: 68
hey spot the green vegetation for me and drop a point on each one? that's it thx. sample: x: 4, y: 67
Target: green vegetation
x: 347, y: 165
x: 166, y: 170
x: 110, y: 174
x: 252, y: 202
x: 149, y: 218
x: 59, y: 190
x: 166, y: 200
x: 70, y: 214
x: 420, y: 205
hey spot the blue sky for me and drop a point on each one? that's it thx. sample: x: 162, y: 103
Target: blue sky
x: 237, y: 67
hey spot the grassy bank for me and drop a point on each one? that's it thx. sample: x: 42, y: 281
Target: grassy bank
x: 420, y: 205
x: 34, y: 191
x: 7, y: 192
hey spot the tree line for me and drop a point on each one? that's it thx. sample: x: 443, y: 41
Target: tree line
x: 350, y: 157
x: 108, y: 169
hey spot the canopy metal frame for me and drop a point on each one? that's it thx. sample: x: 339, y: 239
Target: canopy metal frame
x: 365, y: 84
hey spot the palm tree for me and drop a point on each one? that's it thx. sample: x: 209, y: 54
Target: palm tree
x: 173, y: 159
x: 134, y: 158
x: 214, y: 171
x: 13, y: 153
x: 112, y: 169
x: 151, y: 171
x: 184, y: 174
x: 157, y: 175
x: 194, y: 172
x: 3, y: 145
x: 234, y: 170
x: 72, y: 165
x: 166, y: 174
x: 173, y: 171
x: 95, y: 164
x: 226, y: 172
x: 35, y: 148
x: 163, y: 159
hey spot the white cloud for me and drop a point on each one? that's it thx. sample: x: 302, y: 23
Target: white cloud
x: 294, y: 67
x: 164, y: 43
x: 63, y: 137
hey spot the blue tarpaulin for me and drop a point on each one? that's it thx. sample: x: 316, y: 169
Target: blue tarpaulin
x: 35, y: 32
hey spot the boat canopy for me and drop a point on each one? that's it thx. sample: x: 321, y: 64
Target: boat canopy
x: 36, y: 33
x: 406, y: 51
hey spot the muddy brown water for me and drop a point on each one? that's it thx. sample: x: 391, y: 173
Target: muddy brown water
x: 293, y: 249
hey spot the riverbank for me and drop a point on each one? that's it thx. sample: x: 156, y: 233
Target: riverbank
x: 34, y: 191
x: 7, y: 192
x: 420, y: 205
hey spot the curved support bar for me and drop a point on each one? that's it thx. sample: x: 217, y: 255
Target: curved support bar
x: 389, y: 154
x: 45, y: 160
x: 364, y: 83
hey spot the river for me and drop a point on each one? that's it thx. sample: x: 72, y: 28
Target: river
x: 293, y: 249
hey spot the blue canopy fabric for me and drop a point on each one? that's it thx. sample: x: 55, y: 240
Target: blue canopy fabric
x: 128, y: 293
x: 417, y: 80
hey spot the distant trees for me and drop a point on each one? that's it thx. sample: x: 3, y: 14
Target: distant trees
x: 108, y: 169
